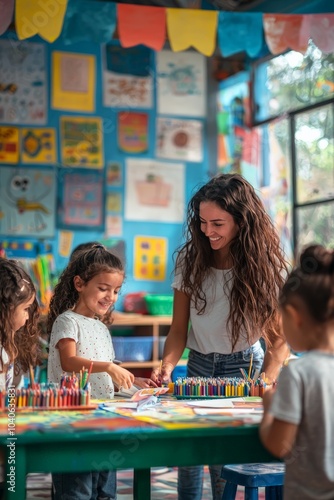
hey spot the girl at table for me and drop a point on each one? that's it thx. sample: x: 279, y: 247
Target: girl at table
x: 19, y: 340
x: 80, y: 309
x: 227, y: 276
x: 298, y: 422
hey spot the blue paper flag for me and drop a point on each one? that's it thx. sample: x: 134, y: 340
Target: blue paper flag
x: 89, y: 21
x: 238, y: 32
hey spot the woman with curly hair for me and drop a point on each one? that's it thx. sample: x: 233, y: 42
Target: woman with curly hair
x: 227, y: 277
x: 19, y: 311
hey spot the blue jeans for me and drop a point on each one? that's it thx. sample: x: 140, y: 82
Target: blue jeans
x: 84, y: 486
x: 190, y: 479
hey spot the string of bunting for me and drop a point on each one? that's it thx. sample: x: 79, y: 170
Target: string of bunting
x: 74, y: 21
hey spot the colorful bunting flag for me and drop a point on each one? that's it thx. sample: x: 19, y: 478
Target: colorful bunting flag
x: 143, y: 25
x: 192, y: 28
x: 42, y: 18
x: 322, y: 31
x: 285, y: 31
x: 6, y: 14
x: 238, y: 32
x: 89, y: 21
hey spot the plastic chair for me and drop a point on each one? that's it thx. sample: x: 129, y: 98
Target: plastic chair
x: 252, y: 477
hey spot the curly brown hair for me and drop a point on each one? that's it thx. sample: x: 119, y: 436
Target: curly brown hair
x: 87, y: 265
x: 258, y: 263
x: 16, y: 287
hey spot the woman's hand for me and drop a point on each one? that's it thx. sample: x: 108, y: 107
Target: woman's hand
x: 162, y: 374
x: 143, y: 383
x: 120, y: 376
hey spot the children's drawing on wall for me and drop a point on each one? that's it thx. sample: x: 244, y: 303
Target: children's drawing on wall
x: 73, y: 81
x: 23, y: 94
x: 181, y: 84
x: 81, y: 142
x: 38, y: 145
x: 114, y: 174
x: 154, y: 190
x: 180, y: 139
x: 27, y: 206
x: 150, y: 258
x: 82, y: 201
x: 233, y: 111
x: 247, y: 154
x: 132, y: 132
x: 114, y: 202
x: 114, y: 225
x: 127, y: 76
x: 9, y: 145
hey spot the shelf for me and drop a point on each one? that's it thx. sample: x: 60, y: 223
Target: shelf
x: 139, y: 364
x: 128, y: 319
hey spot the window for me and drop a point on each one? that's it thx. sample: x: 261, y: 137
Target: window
x: 293, y: 109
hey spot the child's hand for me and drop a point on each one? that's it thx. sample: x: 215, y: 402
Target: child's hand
x: 162, y: 375
x: 143, y: 383
x: 121, y: 377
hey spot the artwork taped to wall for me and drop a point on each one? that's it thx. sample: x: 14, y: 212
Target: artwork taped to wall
x: 82, y: 201
x: 114, y: 174
x: 133, y: 132
x: 9, y: 145
x: 154, y: 190
x: 180, y: 139
x: 38, y: 145
x: 150, y: 258
x: 127, y: 80
x: 23, y: 84
x: 114, y: 225
x: 27, y: 202
x: 81, y: 142
x: 73, y: 81
x: 181, y: 83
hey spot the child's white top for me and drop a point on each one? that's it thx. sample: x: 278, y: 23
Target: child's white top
x: 7, y: 376
x: 93, y: 341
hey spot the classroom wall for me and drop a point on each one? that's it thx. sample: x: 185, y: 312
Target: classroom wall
x: 195, y: 173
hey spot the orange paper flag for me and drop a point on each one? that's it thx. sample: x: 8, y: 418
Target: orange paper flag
x: 138, y: 24
x: 285, y: 31
x: 192, y: 28
x: 43, y: 18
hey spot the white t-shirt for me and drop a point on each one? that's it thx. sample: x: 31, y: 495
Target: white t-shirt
x: 93, y: 341
x: 7, y: 376
x: 208, y: 332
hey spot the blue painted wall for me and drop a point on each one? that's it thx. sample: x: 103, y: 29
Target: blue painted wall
x: 195, y: 173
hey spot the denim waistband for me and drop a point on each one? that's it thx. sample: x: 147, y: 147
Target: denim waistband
x: 217, y: 356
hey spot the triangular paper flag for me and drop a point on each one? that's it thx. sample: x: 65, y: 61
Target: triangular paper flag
x: 285, y: 31
x: 141, y: 25
x: 192, y: 28
x: 36, y: 17
x: 6, y: 14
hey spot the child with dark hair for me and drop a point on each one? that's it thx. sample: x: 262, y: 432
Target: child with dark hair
x: 80, y: 310
x: 298, y: 422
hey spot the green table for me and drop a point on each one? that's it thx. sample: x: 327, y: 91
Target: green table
x: 142, y: 448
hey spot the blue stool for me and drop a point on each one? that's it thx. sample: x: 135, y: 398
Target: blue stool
x: 253, y: 476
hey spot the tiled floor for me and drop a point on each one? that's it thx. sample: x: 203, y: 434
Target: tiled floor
x: 164, y: 481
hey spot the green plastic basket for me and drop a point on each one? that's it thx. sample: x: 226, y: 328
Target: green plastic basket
x: 159, y: 305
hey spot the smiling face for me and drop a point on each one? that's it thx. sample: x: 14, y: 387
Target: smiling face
x: 218, y: 226
x: 99, y: 294
x: 21, y: 314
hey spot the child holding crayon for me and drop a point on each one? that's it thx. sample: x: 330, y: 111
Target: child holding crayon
x: 80, y: 309
x: 298, y: 422
x: 18, y: 326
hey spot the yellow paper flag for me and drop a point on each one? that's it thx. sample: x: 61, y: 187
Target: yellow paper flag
x: 42, y: 18
x: 192, y: 28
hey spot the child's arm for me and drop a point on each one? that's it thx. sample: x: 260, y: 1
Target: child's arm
x: 70, y: 362
x: 276, y: 435
x: 142, y: 383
